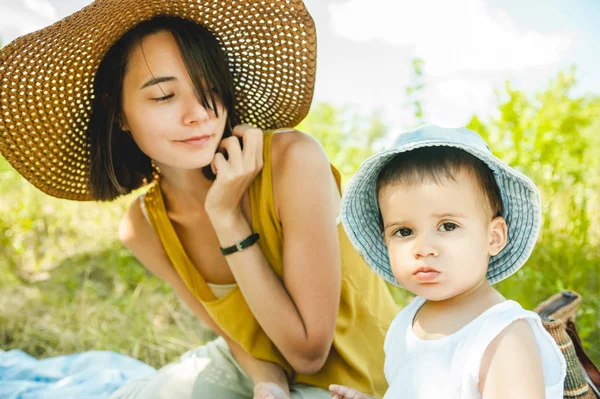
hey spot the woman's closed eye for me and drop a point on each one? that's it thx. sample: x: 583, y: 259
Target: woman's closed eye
x: 162, y: 98
x: 448, y: 226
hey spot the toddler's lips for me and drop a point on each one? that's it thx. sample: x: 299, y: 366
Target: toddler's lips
x: 426, y: 274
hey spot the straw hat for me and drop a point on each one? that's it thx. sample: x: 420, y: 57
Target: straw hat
x: 46, y: 77
x: 520, y: 199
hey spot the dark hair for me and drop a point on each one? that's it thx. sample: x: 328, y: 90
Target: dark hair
x: 437, y: 164
x: 118, y: 166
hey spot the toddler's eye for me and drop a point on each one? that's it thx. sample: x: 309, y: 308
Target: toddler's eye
x: 403, y: 232
x: 448, y: 226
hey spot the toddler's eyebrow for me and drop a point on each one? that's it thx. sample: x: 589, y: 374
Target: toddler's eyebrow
x: 448, y: 214
x: 393, y: 224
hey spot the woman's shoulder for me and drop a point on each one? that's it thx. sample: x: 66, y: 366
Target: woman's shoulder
x: 135, y: 228
x: 138, y: 236
x: 285, y: 142
x: 134, y: 225
x: 293, y: 150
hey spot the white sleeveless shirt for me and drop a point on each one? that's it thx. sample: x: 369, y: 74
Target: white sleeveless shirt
x: 449, y: 367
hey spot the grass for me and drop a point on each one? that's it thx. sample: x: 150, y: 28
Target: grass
x: 68, y: 285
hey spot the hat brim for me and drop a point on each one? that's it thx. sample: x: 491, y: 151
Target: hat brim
x: 522, y: 212
x: 46, y: 77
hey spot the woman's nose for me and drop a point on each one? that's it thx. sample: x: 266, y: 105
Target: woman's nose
x: 194, y: 112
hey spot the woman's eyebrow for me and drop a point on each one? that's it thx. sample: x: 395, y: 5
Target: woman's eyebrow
x: 156, y: 80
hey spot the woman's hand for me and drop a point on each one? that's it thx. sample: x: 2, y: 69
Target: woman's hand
x: 343, y: 392
x: 269, y: 379
x: 270, y: 390
x: 236, y: 173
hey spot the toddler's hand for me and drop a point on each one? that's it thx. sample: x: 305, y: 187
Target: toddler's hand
x: 343, y: 392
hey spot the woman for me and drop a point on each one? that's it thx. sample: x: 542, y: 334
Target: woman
x: 239, y: 218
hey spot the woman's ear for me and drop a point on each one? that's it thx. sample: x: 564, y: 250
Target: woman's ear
x: 108, y: 104
x: 123, y: 125
x: 498, y: 235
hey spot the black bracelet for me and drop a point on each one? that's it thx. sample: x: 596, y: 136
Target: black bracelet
x: 245, y: 243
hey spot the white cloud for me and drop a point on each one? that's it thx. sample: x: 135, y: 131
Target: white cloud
x: 449, y: 102
x: 453, y: 101
x: 449, y: 36
x: 20, y: 18
x: 41, y: 7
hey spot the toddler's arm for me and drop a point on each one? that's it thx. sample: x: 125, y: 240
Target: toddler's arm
x: 512, y: 366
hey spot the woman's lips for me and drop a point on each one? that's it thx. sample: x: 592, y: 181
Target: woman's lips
x: 196, y: 141
x: 426, y: 274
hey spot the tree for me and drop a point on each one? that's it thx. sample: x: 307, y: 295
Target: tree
x: 415, y: 90
x: 554, y: 139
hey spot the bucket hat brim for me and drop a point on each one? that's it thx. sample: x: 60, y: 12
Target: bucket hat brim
x: 521, y: 202
x: 46, y: 77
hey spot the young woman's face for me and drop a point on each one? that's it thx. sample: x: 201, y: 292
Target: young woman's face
x: 162, y: 110
x: 440, y: 236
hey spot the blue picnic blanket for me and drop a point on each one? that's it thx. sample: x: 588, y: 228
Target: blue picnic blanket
x: 90, y: 375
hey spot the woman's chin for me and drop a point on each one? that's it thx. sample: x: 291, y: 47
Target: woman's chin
x: 183, y: 164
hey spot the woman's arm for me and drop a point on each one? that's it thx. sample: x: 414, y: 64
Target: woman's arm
x: 512, y: 366
x: 299, y: 314
x: 138, y: 236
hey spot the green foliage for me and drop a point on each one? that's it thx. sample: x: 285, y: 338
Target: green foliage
x: 347, y: 136
x: 415, y: 90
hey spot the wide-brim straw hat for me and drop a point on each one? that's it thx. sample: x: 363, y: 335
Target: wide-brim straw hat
x: 520, y: 197
x: 46, y: 77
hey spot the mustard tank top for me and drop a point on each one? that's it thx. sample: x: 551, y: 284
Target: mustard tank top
x: 366, y: 306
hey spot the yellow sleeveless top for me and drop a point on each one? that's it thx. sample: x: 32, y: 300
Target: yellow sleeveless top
x: 366, y: 306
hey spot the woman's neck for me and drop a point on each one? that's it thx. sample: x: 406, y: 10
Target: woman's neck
x: 183, y: 190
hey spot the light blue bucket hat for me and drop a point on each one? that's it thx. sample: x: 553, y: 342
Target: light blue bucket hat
x: 520, y: 197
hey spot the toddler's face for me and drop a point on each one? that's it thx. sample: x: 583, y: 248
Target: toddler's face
x: 440, y: 236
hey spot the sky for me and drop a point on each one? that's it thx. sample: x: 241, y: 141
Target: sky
x: 470, y: 48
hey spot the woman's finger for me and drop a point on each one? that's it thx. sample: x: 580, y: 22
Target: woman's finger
x: 257, y: 139
x: 252, y: 138
x: 335, y: 388
x: 346, y: 392
x: 232, y: 146
x: 219, y: 164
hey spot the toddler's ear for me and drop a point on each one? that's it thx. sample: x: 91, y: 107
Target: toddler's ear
x: 498, y: 235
